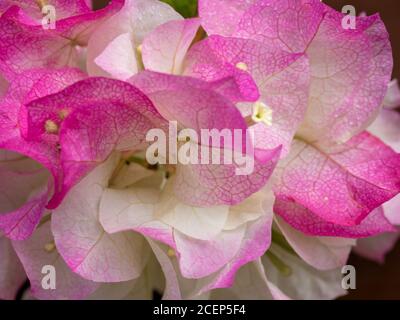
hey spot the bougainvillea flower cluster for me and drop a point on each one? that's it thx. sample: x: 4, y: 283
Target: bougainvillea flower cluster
x: 79, y: 194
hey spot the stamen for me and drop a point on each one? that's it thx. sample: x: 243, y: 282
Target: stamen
x: 41, y: 3
x: 63, y: 114
x: 51, y: 127
x: 242, y: 66
x: 50, y: 247
x: 262, y: 113
x: 171, y: 253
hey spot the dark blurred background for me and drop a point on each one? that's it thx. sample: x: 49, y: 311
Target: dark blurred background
x: 374, y: 281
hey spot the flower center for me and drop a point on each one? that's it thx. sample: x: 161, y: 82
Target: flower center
x: 50, y: 247
x: 127, y: 171
x: 63, y: 114
x: 171, y: 253
x: 41, y: 3
x: 242, y: 66
x: 262, y: 113
x: 51, y: 127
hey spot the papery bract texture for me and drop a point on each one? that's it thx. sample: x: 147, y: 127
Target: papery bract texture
x: 164, y: 49
x: 304, y: 282
x: 81, y: 240
x: 322, y: 253
x: 34, y: 157
x: 103, y: 115
x: 33, y: 9
x: 306, y: 221
x: 27, y: 44
x: 387, y: 128
x: 40, y: 251
x: 350, y: 69
x: 340, y: 184
x: 193, y: 104
x: 114, y: 48
x: 282, y: 79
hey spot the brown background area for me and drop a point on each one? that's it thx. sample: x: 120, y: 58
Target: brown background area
x: 374, y: 281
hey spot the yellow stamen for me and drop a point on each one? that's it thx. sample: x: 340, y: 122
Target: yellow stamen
x: 51, y: 127
x: 50, y: 247
x: 63, y: 114
x: 262, y: 113
x: 171, y: 253
x: 41, y: 3
x: 139, y: 49
x: 242, y: 66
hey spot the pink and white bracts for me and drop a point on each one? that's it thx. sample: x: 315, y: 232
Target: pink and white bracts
x: 81, y: 192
